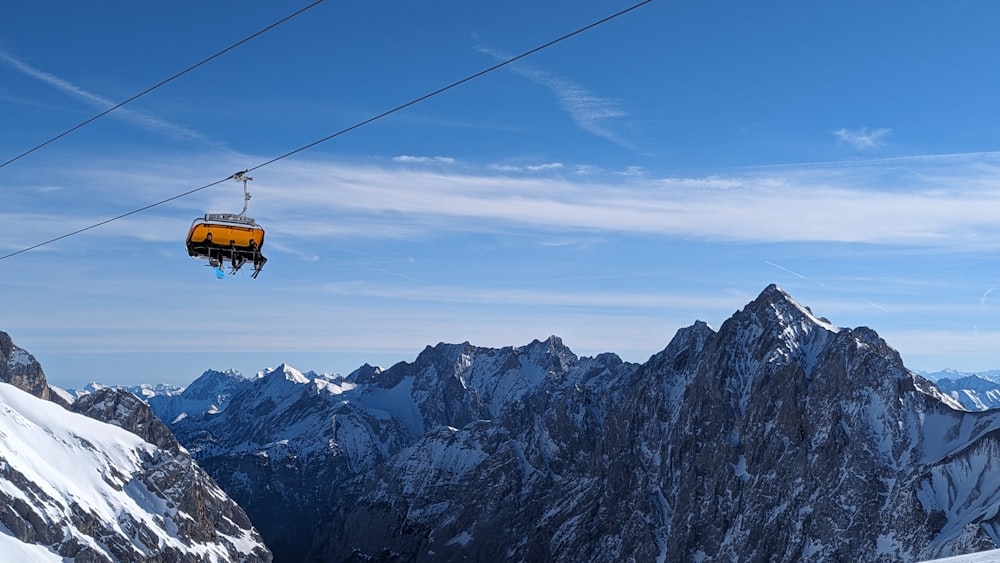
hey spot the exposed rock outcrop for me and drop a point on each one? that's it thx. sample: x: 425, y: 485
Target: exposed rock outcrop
x: 125, y: 410
x: 22, y: 370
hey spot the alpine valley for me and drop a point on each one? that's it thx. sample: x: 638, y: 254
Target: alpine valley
x: 777, y: 437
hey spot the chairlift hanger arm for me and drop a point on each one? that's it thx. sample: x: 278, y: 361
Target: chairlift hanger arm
x: 242, y: 177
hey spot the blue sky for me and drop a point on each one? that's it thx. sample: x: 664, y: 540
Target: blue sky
x: 660, y: 168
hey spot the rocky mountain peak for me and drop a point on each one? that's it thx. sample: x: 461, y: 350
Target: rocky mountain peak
x: 774, y: 329
x: 364, y: 374
x: 681, y: 356
x: 552, y: 354
x: 211, y: 383
x: 22, y: 370
x: 284, y: 372
x: 446, y: 358
x: 441, y: 361
x: 774, y: 308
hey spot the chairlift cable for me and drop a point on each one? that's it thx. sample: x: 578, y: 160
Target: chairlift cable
x: 117, y: 217
x: 452, y: 85
x: 338, y: 133
x: 159, y: 84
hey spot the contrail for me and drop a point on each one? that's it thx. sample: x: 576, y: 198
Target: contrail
x: 982, y: 300
x: 877, y: 306
x: 588, y: 110
x: 787, y: 270
x: 136, y: 117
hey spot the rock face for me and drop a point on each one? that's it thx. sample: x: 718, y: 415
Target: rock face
x: 20, y: 369
x: 108, y: 482
x: 779, y: 437
x: 125, y: 410
x: 294, y: 450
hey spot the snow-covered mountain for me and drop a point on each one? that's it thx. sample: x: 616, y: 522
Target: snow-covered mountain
x: 74, y: 487
x: 145, y: 390
x: 209, y: 394
x: 974, y: 392
x: 989, y: 375
x: 106, y: 481
x: 779, y: 437
x: 291, y: 447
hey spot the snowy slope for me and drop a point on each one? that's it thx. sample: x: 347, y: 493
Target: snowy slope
x: 82, y: 488
x: 15, y: 550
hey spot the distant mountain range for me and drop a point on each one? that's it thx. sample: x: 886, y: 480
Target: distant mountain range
x: 777, y: 437
x: 974, y: 390
x: 990, y: 375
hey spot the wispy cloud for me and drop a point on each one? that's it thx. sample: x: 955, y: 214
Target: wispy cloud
x: 803, y: 205
x: 325, y: 201
x: 526, y: 168
x: 424, y: 159
x: 982, y: 300
x: 590, y: 111
x: 136, y: 117
x: 863, y: 139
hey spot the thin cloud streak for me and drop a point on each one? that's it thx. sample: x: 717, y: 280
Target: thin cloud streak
x: 784, y: 269
x: 940, y: 159
x: 882, y: 308
x: 135, y: 117
x: 588, y: 110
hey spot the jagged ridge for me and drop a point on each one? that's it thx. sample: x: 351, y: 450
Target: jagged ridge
x: 779, y: 437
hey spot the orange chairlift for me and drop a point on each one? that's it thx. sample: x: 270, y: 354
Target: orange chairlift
x: 227, y: 237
